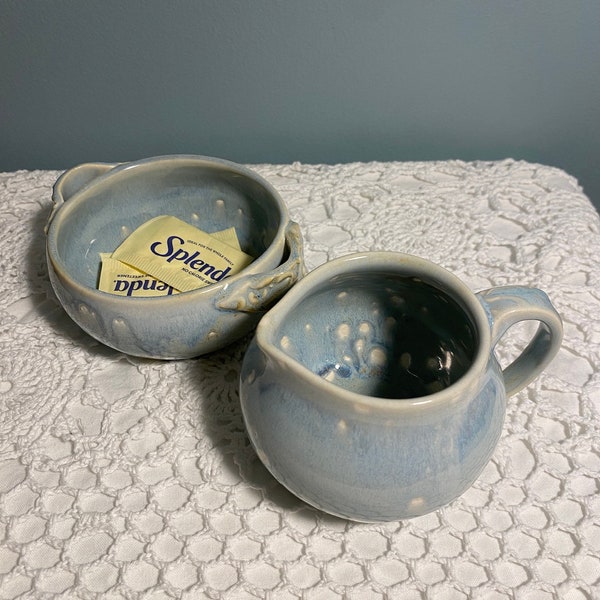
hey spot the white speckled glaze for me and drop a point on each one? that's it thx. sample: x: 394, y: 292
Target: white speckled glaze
x: 323, y: 383
x: 97, y: 205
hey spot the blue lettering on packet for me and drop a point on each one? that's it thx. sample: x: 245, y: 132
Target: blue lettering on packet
x: 182, y: 255
x: 192, y: 260
x: 150, y: 284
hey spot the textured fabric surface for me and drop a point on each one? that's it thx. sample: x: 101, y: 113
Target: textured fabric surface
x: 130, y: 478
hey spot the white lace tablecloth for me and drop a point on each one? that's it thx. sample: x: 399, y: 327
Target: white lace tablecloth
x: 130, y: 478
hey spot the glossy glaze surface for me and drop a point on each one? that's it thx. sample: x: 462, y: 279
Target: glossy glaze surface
x: 387, y: 337
x: 348, y: 406
x: 97, y: 206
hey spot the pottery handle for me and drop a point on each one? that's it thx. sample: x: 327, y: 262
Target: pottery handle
x: 511, y: 304
x: 257, y: 293
x: 73, y: 180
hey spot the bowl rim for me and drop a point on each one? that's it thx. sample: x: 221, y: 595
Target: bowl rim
x: 390, y: 262
x: 62, y: 210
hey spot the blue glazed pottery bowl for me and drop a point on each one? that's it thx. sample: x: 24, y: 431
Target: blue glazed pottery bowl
x: 371, y: 390
x: 97, y: 205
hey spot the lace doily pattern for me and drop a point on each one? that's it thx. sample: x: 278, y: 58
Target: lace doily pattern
x: 129, y: 478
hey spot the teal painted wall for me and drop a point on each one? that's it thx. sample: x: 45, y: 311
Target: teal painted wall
x: 279, y: 81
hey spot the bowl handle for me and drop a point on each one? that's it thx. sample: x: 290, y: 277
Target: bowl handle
x: 73, y: 180
x: 508, y: 305
x: 257, y: 293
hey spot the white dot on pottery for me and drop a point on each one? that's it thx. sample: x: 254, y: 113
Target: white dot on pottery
x: 362, y: 409
x: 120, y: 326
x: 405, y: 360
x: 364, y: 328
x: 378, y: 357
x: 343, y: 332
x: 433, y: 363
x: 416, y: 503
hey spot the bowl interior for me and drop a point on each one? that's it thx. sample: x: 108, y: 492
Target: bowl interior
x: 209, y: 196
x: 381, y: 335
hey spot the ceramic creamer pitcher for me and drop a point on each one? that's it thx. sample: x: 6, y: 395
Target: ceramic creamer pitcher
x: 372, y: 391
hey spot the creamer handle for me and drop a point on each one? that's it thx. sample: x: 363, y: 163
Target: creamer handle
x: 73, y: 180
x: 257, y: 293
x: 511, y: 304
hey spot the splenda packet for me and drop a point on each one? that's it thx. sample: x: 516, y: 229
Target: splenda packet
x: 180, y: 254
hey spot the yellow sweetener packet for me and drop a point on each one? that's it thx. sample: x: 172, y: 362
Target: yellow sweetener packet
x: 123, y: 280
x: 180, y: 254
x: 229, y: 236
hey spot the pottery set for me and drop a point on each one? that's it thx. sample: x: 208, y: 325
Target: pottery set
x: 370, y: 389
